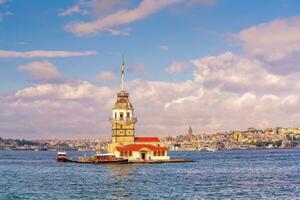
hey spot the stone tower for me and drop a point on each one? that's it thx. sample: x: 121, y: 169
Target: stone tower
x: 122, y: 120
x: 190, y: 133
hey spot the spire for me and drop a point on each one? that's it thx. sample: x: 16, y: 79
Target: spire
x: 123, y: 63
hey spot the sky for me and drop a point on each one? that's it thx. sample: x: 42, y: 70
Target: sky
x: 217, y: 65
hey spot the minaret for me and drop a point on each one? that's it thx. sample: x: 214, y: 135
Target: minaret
x: 122, y: 120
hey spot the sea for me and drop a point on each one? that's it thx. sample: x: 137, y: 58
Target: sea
x: 237, y: 174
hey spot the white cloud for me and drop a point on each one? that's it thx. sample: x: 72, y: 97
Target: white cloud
x: 79, y: 109
x: 118, y: 31
x: 96, y: 7
x: 178, y: 67
x: 236, y: 73
x: 41, y: 71
x: 106, y: 77
x: 4, y: 14
x: 67, y: 110
x: 112, y: 14
x: 3, y: 1
x: 105, y: 7
x: 76, y: 9
x: 44, y: 54
x: 164, y: 47
x: 122, y: 17
x: 273, y: 41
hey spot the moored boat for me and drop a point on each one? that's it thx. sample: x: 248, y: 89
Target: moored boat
x: 61, y: 156
x: 108, y: 158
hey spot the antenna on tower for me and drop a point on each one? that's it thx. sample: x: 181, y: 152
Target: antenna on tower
x: 123, y: 63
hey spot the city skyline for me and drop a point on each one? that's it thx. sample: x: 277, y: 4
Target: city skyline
x: 185, y: 64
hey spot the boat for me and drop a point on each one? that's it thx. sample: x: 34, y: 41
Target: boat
x: 101, y: 158
x: 61, y: 156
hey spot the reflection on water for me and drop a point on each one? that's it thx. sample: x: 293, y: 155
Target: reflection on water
x: 121, y: 171
x: 268, y: 174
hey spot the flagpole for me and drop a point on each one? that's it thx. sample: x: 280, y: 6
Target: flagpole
x: 123, y: 73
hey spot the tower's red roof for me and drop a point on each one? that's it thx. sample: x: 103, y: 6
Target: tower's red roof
x: 137, y: 147
x: 146, y: 139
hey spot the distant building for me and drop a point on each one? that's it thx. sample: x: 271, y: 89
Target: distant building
x: 124, y: 144
x: 190, y: 133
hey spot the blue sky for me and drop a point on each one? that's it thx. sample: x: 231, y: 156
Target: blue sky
x: 189, y: 32
x: 159, y: 40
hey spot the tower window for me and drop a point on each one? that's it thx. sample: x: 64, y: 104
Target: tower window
x: 121, y: 115
x: 128, y: 114
x: 115, y: 115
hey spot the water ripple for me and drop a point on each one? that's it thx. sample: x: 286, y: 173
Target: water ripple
x: 268, y: 174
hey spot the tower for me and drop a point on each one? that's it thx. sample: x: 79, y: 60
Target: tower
x: 122, y: 120
x: 190, y: 133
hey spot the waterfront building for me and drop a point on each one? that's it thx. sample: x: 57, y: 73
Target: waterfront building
x: 124, y: 144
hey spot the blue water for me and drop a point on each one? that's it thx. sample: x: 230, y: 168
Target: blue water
x: 264, y: 174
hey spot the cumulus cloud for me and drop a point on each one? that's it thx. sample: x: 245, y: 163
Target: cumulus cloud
x: 106, y: 77
x: 273, y: 41
x: 41, y: 71
x: 44, y: 54
x: 75, y: 109
x: 122, y: 17
x: 236, y: 73
x: 178, y: 67
x: 79, y: 109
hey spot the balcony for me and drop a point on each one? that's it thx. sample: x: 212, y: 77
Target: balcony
x: 123, y: 120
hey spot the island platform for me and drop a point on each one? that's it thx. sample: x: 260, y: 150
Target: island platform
x: 94, y: 160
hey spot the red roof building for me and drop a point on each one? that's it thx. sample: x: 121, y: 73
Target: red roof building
x: 146, y: 139
x: 143, y: 149
x: 142, y: 152
x: 138, y: 147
